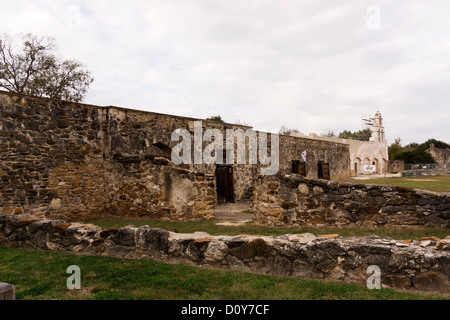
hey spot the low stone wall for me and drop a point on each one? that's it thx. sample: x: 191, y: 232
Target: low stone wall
x: 295, y: 200
x: 422, y: 265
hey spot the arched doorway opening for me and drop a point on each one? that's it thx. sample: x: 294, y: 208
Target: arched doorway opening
x: 357, y: 166
x: 376, y: 163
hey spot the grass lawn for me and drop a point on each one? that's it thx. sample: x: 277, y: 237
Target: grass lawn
x: 254, y: 229
x: 41, y: 275
x: 431, y: 183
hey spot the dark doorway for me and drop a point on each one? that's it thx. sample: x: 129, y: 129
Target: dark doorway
x: 323, y: 170
x: 224, y: 183
x: 299, y: 167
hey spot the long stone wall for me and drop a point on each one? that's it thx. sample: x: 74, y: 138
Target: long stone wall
x: 295, y: 200
x: 61, y: 159
x: 422, y: 265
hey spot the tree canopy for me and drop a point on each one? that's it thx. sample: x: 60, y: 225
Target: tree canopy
x: 32, y: 67
x: 414, y: 153
x: 363, y: 135
x: 215, y: 118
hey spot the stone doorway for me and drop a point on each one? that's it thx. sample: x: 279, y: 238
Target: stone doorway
x: 224, y: 184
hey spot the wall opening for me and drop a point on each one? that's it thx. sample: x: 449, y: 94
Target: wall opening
x: 376, y: 163
x: 357, y: 165
x: 323, y: 170
x: 224, y: 183
x: 299, y: 167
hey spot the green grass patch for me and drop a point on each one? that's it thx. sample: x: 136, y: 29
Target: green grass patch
x: 41, y: 275
x: 431, y: 183
x: 413, y: 233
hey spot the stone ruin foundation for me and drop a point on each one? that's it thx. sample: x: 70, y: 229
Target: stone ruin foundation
x: 419, y: 265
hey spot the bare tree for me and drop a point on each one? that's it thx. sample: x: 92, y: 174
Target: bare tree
x: 329, y: 134
x: 286, y: 131
x: 34, y: 69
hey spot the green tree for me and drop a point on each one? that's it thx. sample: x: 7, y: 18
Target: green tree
x: 34, y: 68
x: 415, y: 156
x: 395, y: 149
x: 215, y: 118
x: 414, y: 153
x: 362, y: 135
x: 437, y: 143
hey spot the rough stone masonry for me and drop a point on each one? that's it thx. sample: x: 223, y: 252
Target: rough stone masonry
x: 422, y: 265
x: 295, y: 200
x: 72, y: 161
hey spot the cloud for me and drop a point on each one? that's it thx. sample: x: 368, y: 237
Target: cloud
x: 311, y: 65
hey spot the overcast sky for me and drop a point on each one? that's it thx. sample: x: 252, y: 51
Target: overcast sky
x: 310, y: 65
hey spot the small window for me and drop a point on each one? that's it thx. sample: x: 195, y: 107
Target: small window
x: 299, y: 167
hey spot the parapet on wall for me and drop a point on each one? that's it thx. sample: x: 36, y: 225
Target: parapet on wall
x: 295, y: 200
x: 421, y: 265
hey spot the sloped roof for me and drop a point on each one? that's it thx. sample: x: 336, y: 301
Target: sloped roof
x: 440, y: 150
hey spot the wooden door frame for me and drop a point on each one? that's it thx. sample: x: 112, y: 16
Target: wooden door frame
x: 321, y: 174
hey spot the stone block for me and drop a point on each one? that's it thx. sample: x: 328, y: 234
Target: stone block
x: 397, y: 281
x: 257, y: 247
x: 274, y: 212
x: 431, y: 281
x: 7, y: 291
x: 303, y: 189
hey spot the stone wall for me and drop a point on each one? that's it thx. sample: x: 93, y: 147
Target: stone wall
x: 396, y: 166
x: 154, y: 187
x: 70, y: 160
x: 422, y: 265
x: 51, y: 157
x: 336, y: 154
x: 362, y: 153
x: 295, y: 200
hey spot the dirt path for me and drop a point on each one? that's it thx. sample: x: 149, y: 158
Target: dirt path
x: 233, y: 213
